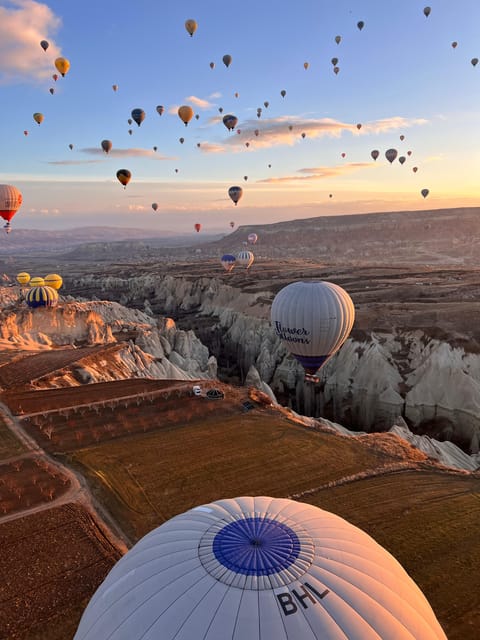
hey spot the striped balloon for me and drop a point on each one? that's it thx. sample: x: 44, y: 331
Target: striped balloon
x: 245, y: 259
x: 41, y: 297
x: 258, y: 568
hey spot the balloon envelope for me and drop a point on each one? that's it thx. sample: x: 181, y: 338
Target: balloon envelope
x: 235, y: 193
x: 44, y: 44
x: 391, y: 154
x: 427, y: 11
x: 124, y: 176
x: 227, y: 60
x: 154, y: 206
x: 375, y: 153
x: 197, y: 227
x: 313, y: 320
x: 258, y: 568
x: 23, y: 277
x: 38, y: 117
x: 106, y: 145
x: 160, y: 109
x: 191, y: 26
x: 36, y: 282
x: 252, y: 238
x: 230, y: 121
x: 228, y: 261
x: 62, y: 65
x: 41, y: 296
x: 53, y: 280
x: 10, y: 201
x: 245, y: 258
x: 138, y: 116
x: 424, y: 192
x: 185, y: 113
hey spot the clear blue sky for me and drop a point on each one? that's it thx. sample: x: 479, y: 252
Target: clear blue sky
x: 399, y: 75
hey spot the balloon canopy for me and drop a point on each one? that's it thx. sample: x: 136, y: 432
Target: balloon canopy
x: 245, y: 259
x: 62, y: 65
x: 10, y: 201
x: 228, y: 261
x: 313, y: 320
x: 23, y: 277
x: 53, y: 280
x: 235, y: 194
x: 258, y: 567
x: 41, y: 296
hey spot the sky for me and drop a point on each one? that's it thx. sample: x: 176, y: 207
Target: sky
x: 398, y: 76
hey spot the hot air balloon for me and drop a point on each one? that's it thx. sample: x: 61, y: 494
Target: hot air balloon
x: 402, y: 137
x: 256, y: 132
x: 303, y: 134
x: 228, y: 261
x: 38, y: 117
x: 41, y: 296
x: 197, y: 116
x: 115, y: 87
x: 138, y: 116
x: 283, y: 93
x: 359, y: 126
x: 191, y: 26
x: 427, y: 11
x: 313, y: 320
x: 106, y: 145
x: 154, y: 148
x: 130, y: 132
x: 409, y: 153
x: 247, y: 144
x: 235, y: 194
x: 227, y: 60
x: 197, y: 227
x: 51, y: 90
x: 402, y: 159
x: 154, y: 206
x: 62, y: 65
x: 454, y: 45
x: 265, y: 104
x: 212, y: 65
x: 334, y: 61
x: 55, y: 77
x: 375, y: 153
x: 160, y: 109
x: 305, y: 65
x: 252, y: 238
x: 70, y: 146
x: 336, y: 70
x: 338, y: 39
x: 230, y: 121
x: 25, y: 133
x: 425, y: 192
x: 10, y: 203
x: 124, y: 176
x: 474, y: 61
x: 44, y: 44
x: 37, y: 282
x: 23, y: 277
x: 343, y: 155
x: 360, y: 25
x: 185, y: 113
x: 245, y: 259
x: 258, y: 567
x: 269, y: 166
x: 53, y: 280
x: 245, y: 178
x: 129, y: 121
x: 181, y: 140
x: 290, y: 127
x: 232, y: 224
x: 391, y: 154
x: 220, y: 109
x: 414, y: 169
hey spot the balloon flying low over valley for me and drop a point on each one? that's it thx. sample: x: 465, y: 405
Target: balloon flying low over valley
x: 292, y: 104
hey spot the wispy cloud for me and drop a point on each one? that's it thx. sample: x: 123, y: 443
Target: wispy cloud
x: 318, y: 173
x: 23, y: 25
x: 136, y: 207
x: 199, y: 102
x: 211, y: 147
x: 288, y: 130
x: 73, y: 162
x: 133, y: 152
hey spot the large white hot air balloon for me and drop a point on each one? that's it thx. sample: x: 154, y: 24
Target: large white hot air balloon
x: 245, y: 259
x: 258, y: 568
x: 313, y: 320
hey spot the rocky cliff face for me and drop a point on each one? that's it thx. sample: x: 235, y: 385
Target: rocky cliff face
x: 434, y: 385
x: 147, y: 347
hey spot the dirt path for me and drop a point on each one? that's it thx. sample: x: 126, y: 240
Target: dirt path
x: 78, y: 491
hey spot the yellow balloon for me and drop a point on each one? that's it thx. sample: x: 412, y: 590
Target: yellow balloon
x: 62, y: 65
x: 191, y: 26
x: 23, y: 277
x: 53, y: 280
x: 38, y: 117
x: 185, y: 113
x: 37, y: 282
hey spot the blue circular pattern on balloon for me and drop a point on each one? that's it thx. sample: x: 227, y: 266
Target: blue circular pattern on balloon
x: 256, y: 546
